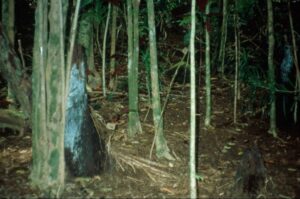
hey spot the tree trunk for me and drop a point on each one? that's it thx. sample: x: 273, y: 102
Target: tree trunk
x: 104, y: 51
x: 112, y: 80
x: 8, y: 20
x: 271, y: 70
x: 134, y: 125
x: 192, y: 164
x: 223, y: 37
x: 48, y: 121
x: 39, y: 130
x: 207, y: 70
x: 237, y: 62
x: 162, y: 149
x: 297, y: 81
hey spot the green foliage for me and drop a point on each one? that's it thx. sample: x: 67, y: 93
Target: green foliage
x: 169, y: 4
x: 252, y: 75
x: 163, y: 16
x: 163, y: 11
x: 99, y: 12
x: 186, y: 38
x: 146, y: 61
x: 96, y: 13
x: 185, y: 23
x: 161, y: 68
x: 199, y: 177
x: 91, y: 15
x: 143, y: 24
x: 245, y: 8
x: 85, y: 3
x: 84, y: 31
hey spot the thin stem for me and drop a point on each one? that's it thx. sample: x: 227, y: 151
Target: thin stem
x: 71, y: 48
x: 104, y: 51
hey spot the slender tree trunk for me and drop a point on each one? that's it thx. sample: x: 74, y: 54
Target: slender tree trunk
x: 72, y: 36
x: 134, y: 125
x: 297, y: 83
x: 237, y: 62
x: 294, y: 43
x: 104, y: 51
x: 207, y: 70
x: 112, y: 79
x: 223, y: 37
x: 271, y: 69
x: 193, y: 184
x: 162, y: 149
x: 11, y: 36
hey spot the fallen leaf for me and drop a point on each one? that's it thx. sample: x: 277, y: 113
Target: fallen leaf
x: 111, y: 126
x: 292, y: 169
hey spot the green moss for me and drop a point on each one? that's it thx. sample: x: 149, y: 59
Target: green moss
x: 54, y: 38
x: 54, y: 163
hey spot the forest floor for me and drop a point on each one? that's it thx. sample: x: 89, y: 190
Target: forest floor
x: 134, y: 175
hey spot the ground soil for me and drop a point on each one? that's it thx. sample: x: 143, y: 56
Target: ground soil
x: 132, y: 174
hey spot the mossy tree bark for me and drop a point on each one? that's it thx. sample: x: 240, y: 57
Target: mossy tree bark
x: 113, y: 40
x: 134, y: 124
x: 48, y: 118
x: 162, y: 149
x: 271, y: 69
